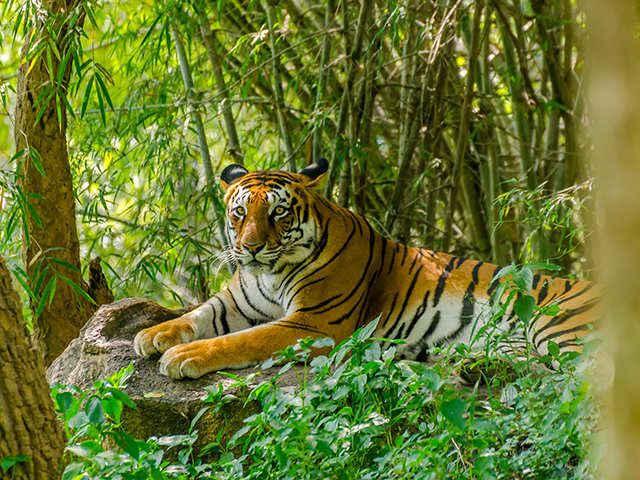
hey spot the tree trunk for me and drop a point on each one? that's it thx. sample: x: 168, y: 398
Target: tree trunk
x: 28, y: 424
x: 614, y: 79
x: 53, y: 234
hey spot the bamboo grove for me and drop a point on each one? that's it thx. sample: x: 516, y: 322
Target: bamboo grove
x: 451, y: 124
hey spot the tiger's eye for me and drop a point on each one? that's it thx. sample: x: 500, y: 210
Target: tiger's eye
x: 279, y: 210
x: 240, y: 211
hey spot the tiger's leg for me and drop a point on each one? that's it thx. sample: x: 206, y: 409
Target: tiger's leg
x: 239, y: 349
x: 217, y: 316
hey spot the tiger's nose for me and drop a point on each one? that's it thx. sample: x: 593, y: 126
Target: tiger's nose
x: 253, y: 247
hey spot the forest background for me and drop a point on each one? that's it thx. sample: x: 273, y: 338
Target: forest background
x: 454, y: 125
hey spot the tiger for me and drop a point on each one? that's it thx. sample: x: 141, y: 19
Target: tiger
x: 307, y: 267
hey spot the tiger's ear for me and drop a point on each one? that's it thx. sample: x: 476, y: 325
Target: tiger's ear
x: 230, y: 174
x: 315, y: 173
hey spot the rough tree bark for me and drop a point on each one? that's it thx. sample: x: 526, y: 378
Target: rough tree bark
x: 28, y: 423
x: 614, y: 78
x: 53, y: 233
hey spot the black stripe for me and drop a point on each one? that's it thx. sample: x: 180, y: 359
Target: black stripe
x: 409, y: 291
x: 568, y: 343
x: 475, y: 272
x: 293, y: 296
x: 251, y: 321
x: 442, y: 280
x: 468, y: 304
x: 558, y: 319
x: 461, y: 260
x: 323, y: 243
x: 393, y: 258
x: 543, y: 291
x: 419, y: 312
x: 432, y: 327
x: 404, y: 255
x: 382, y: 252
x: 413, y: 264
x: 588, y: 287
x: 223, y: 319
x: 399, y: 334
x: 536, y: 279
x: 246, y: 297
x: 319, y: 305
x: 393, y: 304
x: 299, y: 326
x: 213, y: 317
x: 579, y: 328
x: 262, y: 292
x: 362, y: 300
x: 319, y: 249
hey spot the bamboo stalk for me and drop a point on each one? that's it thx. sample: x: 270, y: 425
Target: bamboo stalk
x: 277, y: 86
x: 350, y: 60
x: 463, y: 131
x: 187, y: 80
x: 185, y: 70
x: 523, y: 126
x: 322, y: 80
x: 366, y: 122
x: 490, y: 164
x: 210, y: 43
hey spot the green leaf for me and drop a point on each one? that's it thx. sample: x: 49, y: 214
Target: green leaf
x: 95, y: 411
x: 112, y: 408
x: 64, y: 263
x: 22, y: 278
x: 524, y: 278
x: 201, y: 412
x: 87, y: 94
x: 365, y: 332
x: 77, y: 288
x: 453, y: 410
x: 122, y: 397
x: 35, y: 158
x: 127, y: 443
x: 524, y: 307
x: 544, y: 266
x: 8, y: 462
x: 64, y: 400
x: 47, y: 293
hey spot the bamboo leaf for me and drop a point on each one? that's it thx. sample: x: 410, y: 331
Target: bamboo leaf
x: 87, y: 93
x: 77, y: 288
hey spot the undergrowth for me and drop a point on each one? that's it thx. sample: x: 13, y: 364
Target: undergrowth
x: 358, y: 414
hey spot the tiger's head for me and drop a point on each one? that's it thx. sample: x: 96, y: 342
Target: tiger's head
x: 269, y: 221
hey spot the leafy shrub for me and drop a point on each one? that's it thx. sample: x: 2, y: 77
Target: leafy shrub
x: 357, y: 413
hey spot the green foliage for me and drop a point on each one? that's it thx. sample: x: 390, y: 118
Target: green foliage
x: 358, y: 413
x: 7, y: 463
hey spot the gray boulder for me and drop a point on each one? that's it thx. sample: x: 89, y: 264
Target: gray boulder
x: 165, y: 406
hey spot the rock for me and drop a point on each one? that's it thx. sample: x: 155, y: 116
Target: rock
x: 165, y: 406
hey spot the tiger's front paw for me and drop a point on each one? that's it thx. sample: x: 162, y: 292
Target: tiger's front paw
x: 190, y: 360
x: 162, y: 337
